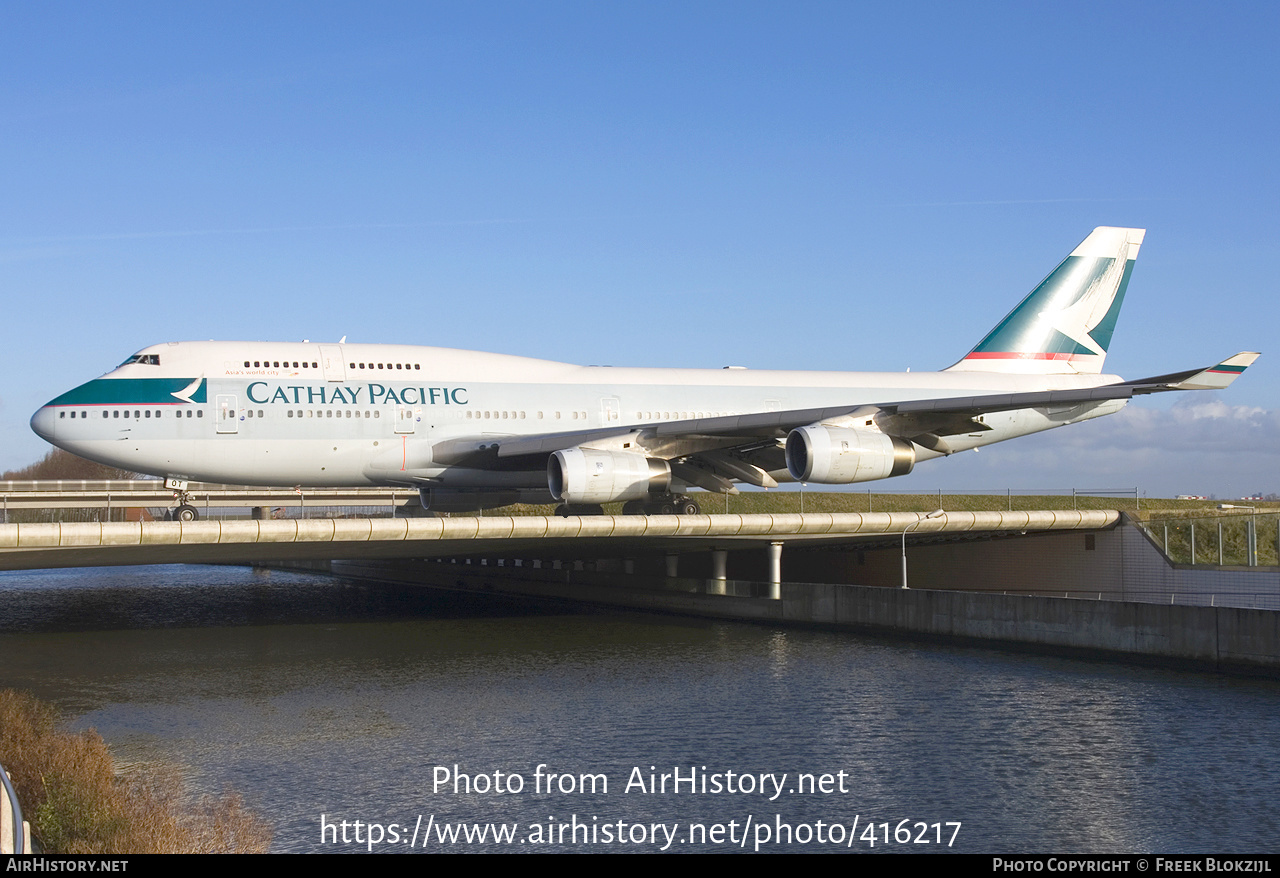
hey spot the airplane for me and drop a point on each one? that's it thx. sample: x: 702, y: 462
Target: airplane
x: 472, y: 430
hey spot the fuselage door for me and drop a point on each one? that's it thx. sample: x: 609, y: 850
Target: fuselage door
x: 226, y: 413
x: 331, y: 361
x: 610, y: 410
x: 404, y: 419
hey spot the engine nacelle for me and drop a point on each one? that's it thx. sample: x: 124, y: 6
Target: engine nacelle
x: 590, y: 475
x: 840, y: 456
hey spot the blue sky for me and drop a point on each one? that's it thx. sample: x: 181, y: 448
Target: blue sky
x: 808, y: 185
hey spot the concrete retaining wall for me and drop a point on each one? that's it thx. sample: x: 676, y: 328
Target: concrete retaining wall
x: 1226, y: 639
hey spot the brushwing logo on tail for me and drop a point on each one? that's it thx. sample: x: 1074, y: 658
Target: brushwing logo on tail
x: 1065, y: 324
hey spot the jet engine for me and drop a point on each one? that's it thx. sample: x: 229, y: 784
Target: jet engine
x: 839, y: 455
x: 590, y: 475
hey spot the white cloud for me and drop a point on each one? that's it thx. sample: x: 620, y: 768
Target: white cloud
x: 1201, y: 445
x: 1203, y: 425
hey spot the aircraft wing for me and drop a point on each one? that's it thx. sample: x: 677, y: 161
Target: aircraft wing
x: 903, y: 418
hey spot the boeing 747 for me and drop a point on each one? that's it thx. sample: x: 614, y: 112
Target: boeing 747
x: 473, y: 430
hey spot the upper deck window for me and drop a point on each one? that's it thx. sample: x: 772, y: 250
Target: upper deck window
x: 146, y: 359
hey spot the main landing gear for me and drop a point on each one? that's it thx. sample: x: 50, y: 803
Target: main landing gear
x: 658, y: 504
x: 662, y: 504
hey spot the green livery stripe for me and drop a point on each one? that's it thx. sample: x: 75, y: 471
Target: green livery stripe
x: 1022, y: 330
x: 1102, y: 332
x: 131, y: 391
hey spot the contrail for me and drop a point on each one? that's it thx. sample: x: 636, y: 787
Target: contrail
x: 189, y: 233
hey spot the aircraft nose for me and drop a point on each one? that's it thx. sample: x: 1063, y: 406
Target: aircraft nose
x: 44, y: 422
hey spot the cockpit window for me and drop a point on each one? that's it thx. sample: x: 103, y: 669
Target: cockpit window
x: 145, y: 359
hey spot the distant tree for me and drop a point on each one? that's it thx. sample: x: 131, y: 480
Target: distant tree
x: 59, y: 464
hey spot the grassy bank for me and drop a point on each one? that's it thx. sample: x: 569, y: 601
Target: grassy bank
x: 77, y: 803
x: 779, y: 502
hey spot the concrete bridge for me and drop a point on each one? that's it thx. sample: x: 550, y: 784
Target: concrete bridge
x: 81, y: 544
x: 841, y: 570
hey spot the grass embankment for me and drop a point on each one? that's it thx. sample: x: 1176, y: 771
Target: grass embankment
x: 790, y: 500
x: 78, y: 804
x: 1159, y: 514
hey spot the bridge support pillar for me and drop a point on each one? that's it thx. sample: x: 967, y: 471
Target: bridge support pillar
x: 673, y: 566
x: 719, y: 571
x: 775, y: 570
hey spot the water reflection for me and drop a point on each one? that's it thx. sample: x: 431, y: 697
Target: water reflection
x: 312, y: 695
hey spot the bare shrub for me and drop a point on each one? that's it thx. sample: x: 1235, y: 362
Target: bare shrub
x: 77, y: 804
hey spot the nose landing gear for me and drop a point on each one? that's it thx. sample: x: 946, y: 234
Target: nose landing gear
x: 185, y: 511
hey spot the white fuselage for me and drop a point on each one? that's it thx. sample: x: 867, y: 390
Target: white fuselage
x: 306, y: 414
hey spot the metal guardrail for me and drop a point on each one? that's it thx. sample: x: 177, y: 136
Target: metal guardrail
x: 1247, y: 600
x: 1249, y: 539
x: 21, y: 843
x: 151, y: 493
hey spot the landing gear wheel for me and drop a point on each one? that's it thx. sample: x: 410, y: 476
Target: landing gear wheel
x: 688, y: 507
x: 633, y: 507
x: 186, y: 512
